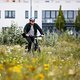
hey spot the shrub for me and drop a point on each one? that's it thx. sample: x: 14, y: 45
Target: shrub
x: 12, y: 35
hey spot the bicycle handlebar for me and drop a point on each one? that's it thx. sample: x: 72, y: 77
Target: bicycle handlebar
x: 38, y: 37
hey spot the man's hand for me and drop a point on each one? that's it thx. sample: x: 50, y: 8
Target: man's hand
x: 42, y: 35
x: 27, y: 34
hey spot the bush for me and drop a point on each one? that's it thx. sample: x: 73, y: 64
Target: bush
x: 12, y: 35
x: 50, y: 39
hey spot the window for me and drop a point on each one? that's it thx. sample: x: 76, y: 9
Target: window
x: 47, y: 15
x: 9, y: 14
x: 56, y: 13
x: 75, y: 13
x: 53, y: 14
x: 36, y: 14
x: 70, y: 14
x: 26, y: 14
x: 65, y: 14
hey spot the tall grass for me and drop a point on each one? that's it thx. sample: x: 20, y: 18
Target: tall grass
x: 59, y: 60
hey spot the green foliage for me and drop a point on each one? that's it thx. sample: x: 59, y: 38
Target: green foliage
x: 12, y: 35
x: 60, y: 21
x: 58, y: 62
x: 59, y: 59
x: 50, y: 39
x: 77, y: 21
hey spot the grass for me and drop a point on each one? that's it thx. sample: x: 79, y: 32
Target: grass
x: 58, y: 62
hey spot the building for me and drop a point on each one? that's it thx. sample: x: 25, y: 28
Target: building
x: 45, y: 12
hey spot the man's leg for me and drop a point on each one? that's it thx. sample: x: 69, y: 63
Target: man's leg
x: 36, y: 45
x: 32, y: 39
x: 29, y: 46
x: 29, y: 43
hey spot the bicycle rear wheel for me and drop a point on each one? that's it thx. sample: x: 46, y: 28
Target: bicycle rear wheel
x: 39, y: 50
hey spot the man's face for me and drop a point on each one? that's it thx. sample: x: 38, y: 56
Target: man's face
x: 32, y: 22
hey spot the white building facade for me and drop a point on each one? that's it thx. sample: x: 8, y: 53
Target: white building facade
x: 45, y: 12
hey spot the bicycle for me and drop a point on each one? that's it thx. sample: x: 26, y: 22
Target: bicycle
x: 35, y: 44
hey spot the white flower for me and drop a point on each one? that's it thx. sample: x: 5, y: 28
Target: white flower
x: 17, y: 46
x: 49, y: 52
x: 71, y: 72
x: 51, y: 73
x: 39, y: 69
x: 78, y: 62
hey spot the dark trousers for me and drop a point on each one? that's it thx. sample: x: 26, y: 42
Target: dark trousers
x: 30, y: 40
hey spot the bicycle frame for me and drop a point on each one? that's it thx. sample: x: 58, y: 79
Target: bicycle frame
x: 35, y: 46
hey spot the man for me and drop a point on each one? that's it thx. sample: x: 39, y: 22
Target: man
x: 30, y: 31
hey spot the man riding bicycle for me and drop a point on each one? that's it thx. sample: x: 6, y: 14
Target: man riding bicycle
x: 30, y: 31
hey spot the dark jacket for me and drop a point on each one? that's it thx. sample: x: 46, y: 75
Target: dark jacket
x: 35, y: 26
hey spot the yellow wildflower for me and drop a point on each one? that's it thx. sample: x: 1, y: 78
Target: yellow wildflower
x: 1, y: 67
x: 46, y: 66
x: 41, y: 76
x: 31, y: 68
x: 19, y: 66
x: 34, y: 60
x: 16, y: 68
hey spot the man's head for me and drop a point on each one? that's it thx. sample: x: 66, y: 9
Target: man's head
x: 32, y: 21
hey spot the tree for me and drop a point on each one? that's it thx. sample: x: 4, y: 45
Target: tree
x: 77, y: 21
x: 60, y: 21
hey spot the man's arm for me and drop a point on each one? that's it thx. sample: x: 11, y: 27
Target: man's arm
x: 40, y: 30
x: 25, y: 31
x: 25, y: 28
